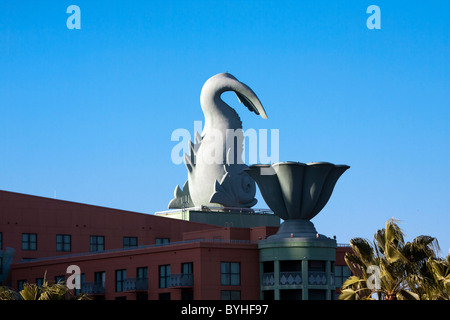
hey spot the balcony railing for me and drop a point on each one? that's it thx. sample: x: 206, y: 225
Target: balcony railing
x: 93, y: 288
x: 135, y: 284
x: 317, y: 277
x: 181, y: 280
x: 295, y: 278
x: 268, y: 279
x: 291, y: 278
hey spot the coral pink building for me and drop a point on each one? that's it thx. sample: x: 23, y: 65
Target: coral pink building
x: 129, y: 255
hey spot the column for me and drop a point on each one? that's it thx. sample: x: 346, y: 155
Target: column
x: 305, y: 279
x: 328, y: 274
x: 276, y: 278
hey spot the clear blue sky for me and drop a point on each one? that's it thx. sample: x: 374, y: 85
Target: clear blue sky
x: 89, y: 113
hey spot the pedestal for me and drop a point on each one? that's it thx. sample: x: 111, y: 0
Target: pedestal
x: 297, y: 268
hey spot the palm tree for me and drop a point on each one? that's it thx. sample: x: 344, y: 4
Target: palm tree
x: 437, y: 285
x: 48, y: 291
x: 393, y: 269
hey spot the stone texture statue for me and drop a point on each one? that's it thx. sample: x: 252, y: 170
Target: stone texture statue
x: 216, y: 173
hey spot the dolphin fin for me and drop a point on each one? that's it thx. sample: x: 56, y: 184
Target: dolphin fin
x: 182, y: 198
x: 222, y: 193
x: 187, y: 161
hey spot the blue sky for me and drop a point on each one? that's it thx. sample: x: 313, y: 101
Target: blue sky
x: 89, y: 113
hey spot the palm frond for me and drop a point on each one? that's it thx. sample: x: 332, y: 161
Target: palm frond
x: 363, y: 250
x: 404, y: 294
x: 30, y: 291
x: 8, y: 294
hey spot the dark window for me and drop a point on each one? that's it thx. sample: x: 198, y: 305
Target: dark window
x: 141, y: 296
x: 187, y: 268
x: 39, y: 282
x: 162, y: 240
x: 317, y: 294
x: 97, y: 243
x: 121, y: 276
x: 99, y: 278
x: 142, y: 273
x: 60, y: 279
x: 29, y: 241
x: 291, y: 294
x: 341, y: 273
x: 268, y: 295
x: 230, y: 295
x: 164, y: 274
x: 63, y: 242
x: 164, y: 296
x: 230, y: 273
x: 82, y: 281
x: 187, y: 294
x: 20, y: 284
x: 130, y: 242
x: 268, y: 267
x: 142, y: 278
x: 290, y: 266
x: 316, y: 265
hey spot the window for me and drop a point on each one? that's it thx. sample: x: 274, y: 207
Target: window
x: 142, y: 279
x: 29, y: 241
x: 268, y: 267
x: 186, y: 268
x: 99, y: 279
x: 316, y: 265
x: 20, y: 284
x: 317, y: 294
x: 60, y: 279
x: 230, y: 273
x: 40, y: 282
x: 162, y: 240
x: 97, y: 243
x: 291, y: 294
x: 290, y: 266
x: 164, y: 296
x: 230, y: 295
x: 341, y: 273
x: 141, y: 296
x: 142, y: 273
x: 1, y: 265
x: 129, y: 242
x: 63, y: 242
x: 187, y: 295
x: 82, y: 281
x: 164, y: 274
x: 121, y: 276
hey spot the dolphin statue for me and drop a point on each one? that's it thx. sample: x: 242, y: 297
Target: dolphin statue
x: 215, y: 168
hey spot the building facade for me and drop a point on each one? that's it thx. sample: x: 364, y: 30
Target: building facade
x: 129, y: 255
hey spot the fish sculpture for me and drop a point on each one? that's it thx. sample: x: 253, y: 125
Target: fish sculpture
x: 216, y: 175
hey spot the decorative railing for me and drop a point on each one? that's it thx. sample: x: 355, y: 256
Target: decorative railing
x: 135, y: 284
x: 181, y: 280
x: 291, y: 278
x: 317, y: 277
x: 93, y: 288
x: 295, y: 278
x: 268, y: 279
